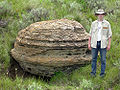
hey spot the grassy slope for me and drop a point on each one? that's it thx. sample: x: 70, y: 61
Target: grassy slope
x: 71, y: 9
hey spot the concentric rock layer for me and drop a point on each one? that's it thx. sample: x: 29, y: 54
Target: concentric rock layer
x: 46, y: 47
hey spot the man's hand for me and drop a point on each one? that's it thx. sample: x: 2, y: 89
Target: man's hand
x: 108, y: 47
x: 89, y: 45
x: 109, y: 43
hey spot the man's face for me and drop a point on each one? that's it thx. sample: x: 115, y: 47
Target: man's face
x: 100, y: 16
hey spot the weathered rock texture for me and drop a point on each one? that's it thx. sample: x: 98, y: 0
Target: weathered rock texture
x: 46, y: 47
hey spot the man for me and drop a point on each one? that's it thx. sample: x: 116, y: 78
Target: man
x: 99, y: 40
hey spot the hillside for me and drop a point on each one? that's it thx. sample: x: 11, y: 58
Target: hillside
x: 18, y: 14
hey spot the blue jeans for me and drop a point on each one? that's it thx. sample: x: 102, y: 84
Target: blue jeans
x: 94, y: 58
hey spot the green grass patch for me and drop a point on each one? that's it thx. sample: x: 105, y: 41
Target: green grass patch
x: 21, y: 13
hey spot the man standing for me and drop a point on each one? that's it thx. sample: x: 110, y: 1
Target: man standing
x: 99, y: 40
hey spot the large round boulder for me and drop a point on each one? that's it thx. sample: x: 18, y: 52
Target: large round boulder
x: 46, y: 47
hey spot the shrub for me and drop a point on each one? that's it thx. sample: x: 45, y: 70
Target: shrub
x: 5, y: 8
x: 95, y: 4
x: 35, y: 86
x: 75, y: 6
x: 37, y: 14
x: 33, y: 16
x: 117, y: 63
x: 33, y: 3
x: 86, y: 84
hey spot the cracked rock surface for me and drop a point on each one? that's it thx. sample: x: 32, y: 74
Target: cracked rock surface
x: 46, y: 47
